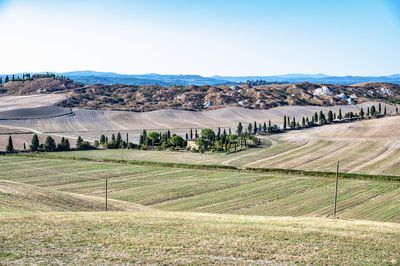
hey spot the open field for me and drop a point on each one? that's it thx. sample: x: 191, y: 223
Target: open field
x: 169, y: 215
x: 369, y: 146
x: 156, y: 237
x: 18, y: 197
x: 29, y: 101
x: 90, y: 124
x: 216, y: 191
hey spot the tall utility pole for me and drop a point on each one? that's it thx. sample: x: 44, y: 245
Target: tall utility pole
x: 106, y: 194
x: 336, y: 190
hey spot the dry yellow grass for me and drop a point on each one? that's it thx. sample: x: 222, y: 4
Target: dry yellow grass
x: 173, y: 238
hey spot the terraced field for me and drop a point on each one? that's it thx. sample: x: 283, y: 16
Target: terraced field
x: 215, y: 191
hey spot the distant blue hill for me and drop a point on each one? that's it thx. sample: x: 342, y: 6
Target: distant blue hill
x: 92, y: 77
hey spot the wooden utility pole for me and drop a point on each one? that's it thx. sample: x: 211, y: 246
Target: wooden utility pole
x: 336, y: 190
x: 106, y: 194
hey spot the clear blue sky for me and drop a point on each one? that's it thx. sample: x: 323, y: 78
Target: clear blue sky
x: 207, y: 37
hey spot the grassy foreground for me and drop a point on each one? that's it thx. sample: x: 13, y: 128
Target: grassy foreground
x: 156, y: 237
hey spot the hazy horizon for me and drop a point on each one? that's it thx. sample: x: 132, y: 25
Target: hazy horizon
x: 207, y: 38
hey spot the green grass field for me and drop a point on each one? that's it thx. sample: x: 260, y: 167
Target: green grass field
x: 215, y: 191
x: 51, y: 213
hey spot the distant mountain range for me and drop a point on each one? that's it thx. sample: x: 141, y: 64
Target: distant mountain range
x: 108, y: 78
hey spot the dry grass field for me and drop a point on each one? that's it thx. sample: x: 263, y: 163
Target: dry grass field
x: 173, y: 238
x: 370, y: 146
x: 29, y: 101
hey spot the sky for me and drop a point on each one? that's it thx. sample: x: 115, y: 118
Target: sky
x: 205, y: 37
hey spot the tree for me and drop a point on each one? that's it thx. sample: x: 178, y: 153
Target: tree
x: 362, y: 113
x: 118, y: 141
x: 239, y: 129
x: 176, y: 141
x: 255, y: 128
x: 196, y: 135
x: 1, y: 80
x: 102, y: 139
x: 64, y: 145
x: 7, y: 79
x: 264, y: 129
x: 191, y: 133
x: 303, y: 122
x: 330, y: 116
x: 284, y: 122
x: 35, y: 143
x: 321, y: 118
x: 10, y: 145
x: 316, y: 117
x: 79, y: 142
x: 50, y: 144
x: 219, y: 133
x: 153, y: 136
x: 379, y: 108
x: 207, y: 133
x: 340, y: 114
x: 249, y: 128
x: 384, y: 110
x: 373, y: 111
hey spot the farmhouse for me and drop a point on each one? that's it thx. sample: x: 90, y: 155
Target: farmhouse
x: 192, y: 145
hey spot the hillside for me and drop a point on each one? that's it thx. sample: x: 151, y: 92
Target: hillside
x: 156, y: 97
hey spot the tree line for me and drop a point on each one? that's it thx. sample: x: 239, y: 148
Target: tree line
x: 50, y: 145
x: 28, y: 76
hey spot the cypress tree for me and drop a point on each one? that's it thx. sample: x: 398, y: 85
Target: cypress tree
x: 10, y: 145
x: 330, y: 116
x: 269, y: 123
x: 362, y: 113
x: 264, y: 129
x: 7, y: 79
x: 255, y: 128
x: 196, y: 135
x: 368, y: 111
x: 284, y: 122
x: 373, y: 110
x: 35, y: 143
x: 303, y: 122
x: 187, y: 136
x: 191, y: 133
x: 102, y: 139
x: 340, y: 114
x: 79, y: 142
x: 397, y: 110
x: 50, y: 144
x: 219, y: 133
x: 379, y: 108
x: 229, y: 131
x: 239, y: 130
x: 24, y: 146
x: 249, y: 128
x: 316, y: 117
x: 384, y: 111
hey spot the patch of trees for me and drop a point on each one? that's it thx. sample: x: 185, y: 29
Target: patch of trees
x: 320, y: 118
x: 50, y: 145
x: 28, y: 76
